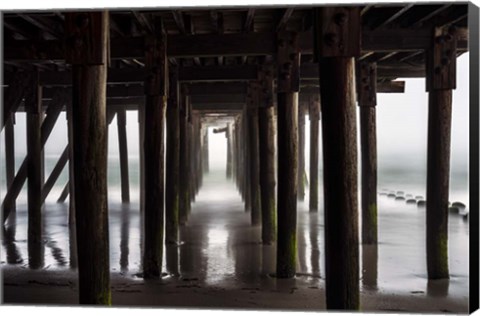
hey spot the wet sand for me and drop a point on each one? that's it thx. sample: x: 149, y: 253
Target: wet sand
x: 222, y: 264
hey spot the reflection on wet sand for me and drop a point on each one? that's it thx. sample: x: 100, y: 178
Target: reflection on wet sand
x: 172, y: 260
x: 219, y: 247
x: 124, y: 237
x: 12, y: 253
x: 315, y: 249
x: 72, y: 237
x: 438, y: 288
x: 369, y: 266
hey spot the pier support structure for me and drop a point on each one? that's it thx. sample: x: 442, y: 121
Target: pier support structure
x: 301, y: 152
x: 337, y: 41
x: 314, y: 116
x: 367, y: 100
x: 10, y: 154
x: 33, y: 105
x: 123, y: 151
x: 266, y: 127
x: 253, y: 157
x: 184, y: 167
x: 87, y: 50
x: 441, y: 79
x: 288, y: 85
x: 172, y: 192
x: 154, y: 150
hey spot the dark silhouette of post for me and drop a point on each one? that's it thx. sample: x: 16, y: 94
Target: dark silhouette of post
x: 314, y: 116
x: 10, y: 154
x: 441, y: 79
x: 367, y: 100
x: 154, y: 150
x: 184, y: 165
x: 123, y: 151
x: 87, y: 50
x: 253, y: 154
x: 33, y: 105
x: 172, y: 192
x: 337, y: 39
x: 288, y: 83
x: 301, y: 152
x: 266, y: 126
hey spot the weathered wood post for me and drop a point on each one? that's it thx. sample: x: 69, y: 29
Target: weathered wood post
x: 71, y: 171
x: 198, y: 152
x: 154, y: 150
x: 239, y: 150
x: 288, y: 84
x: 301, y: 152
x: 184, y: 167
x: 246, y: 161
x: 314, y: 117
x: 253, y: 157
x: 229, y: 136
x: 33, y: 105
x: 337, y: 41
x: 441, y: 79
x: 10, y: 153
x: 123, y: 151
x: 191, y: 149
x: 367, y: 100
x: 266, y: 116
x: 87, y: 38
x: 172, y: 193
x: 205, y: 157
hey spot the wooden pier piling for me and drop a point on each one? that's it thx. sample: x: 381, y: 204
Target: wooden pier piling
x: 301, y: 153
x: 441, y: 79
x: 154, y: 150
x: 367, y: 100
x: 87, y: 51
x: 10, y: 155
x: 314, y: 116
x: 288, y: 61
x: 172, y: 192
x: 266, y: 137
x: 123, y: 152
x: 184, y: 183
x: 335, y: 25
x: 33, y: 104
x: 253, y: 157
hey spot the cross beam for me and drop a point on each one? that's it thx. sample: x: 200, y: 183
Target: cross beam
x: 230, y: 44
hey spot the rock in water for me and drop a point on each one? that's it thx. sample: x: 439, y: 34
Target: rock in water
x: 421, y: 203
x: 459, y: 205
x: 411, y: 201
x: 453, y: 209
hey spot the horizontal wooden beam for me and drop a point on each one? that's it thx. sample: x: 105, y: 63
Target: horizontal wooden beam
x: 196, y: 75
x: 382, y: 87
x: 230, y: 44
x: 218, y: 73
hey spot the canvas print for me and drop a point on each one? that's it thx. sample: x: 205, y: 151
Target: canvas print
x: 285, y: 158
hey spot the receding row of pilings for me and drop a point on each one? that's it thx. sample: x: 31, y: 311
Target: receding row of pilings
x: 251, y: 151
